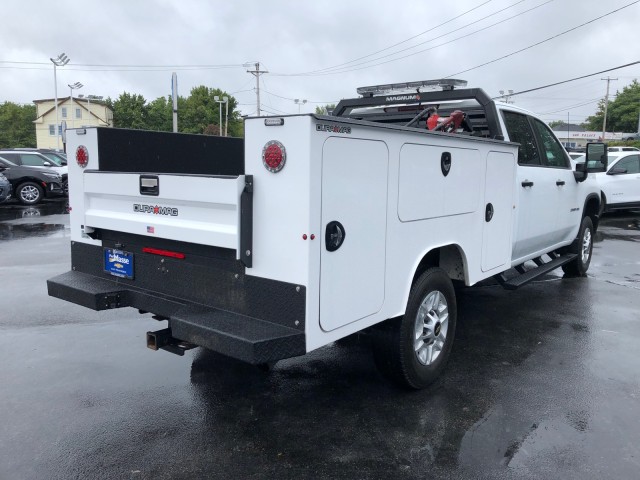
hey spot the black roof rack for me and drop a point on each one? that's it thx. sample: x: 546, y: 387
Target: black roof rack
x: 480, y: 105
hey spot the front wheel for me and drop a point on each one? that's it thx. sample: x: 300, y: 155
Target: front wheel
x: 583, y: 248
x: 412, y: 350
x: 29, y: 193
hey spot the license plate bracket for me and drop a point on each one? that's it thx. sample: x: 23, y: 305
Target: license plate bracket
x: 118, y: 263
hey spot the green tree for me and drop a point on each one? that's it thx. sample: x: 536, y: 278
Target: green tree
x: 622, y: 114
x: 556, y: 123
x: 130, y: 111
x: 197, y: 113
x: 325, y: 109
x: 160, y: 114
x: 16, y: 125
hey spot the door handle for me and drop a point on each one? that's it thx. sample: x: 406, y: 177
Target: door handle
x: 334, y: 236
x: 527, y: 183
x: 559, y: 182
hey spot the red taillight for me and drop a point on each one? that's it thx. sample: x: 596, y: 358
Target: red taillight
x: 274, y: 156
x: 82, y: 156
x: 163, y: 253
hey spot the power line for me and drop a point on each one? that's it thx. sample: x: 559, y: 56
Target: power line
x: 574, y: 79
x: 292, y: 99
x: 350, y: 69
x: 403, y: 41
x: 564, y: 109
x: 543, y: 41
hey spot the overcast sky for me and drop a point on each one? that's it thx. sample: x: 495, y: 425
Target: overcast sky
x: 138, y: 43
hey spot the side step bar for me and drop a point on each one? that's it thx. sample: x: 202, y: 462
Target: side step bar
x: 530, y: 275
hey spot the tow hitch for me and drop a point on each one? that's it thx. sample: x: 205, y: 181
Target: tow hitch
x: 162, y: 339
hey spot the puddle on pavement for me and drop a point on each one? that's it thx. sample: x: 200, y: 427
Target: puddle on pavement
x: 20, y: 221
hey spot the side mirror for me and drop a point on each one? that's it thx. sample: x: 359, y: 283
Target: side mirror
x: 596, y: 160
x: 617, y: 171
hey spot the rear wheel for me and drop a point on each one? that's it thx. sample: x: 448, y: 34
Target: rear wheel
x: 583, y: 248
x: 413, y: 350
x: 29, y: 193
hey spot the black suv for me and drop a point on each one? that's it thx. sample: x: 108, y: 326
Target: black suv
x: 32, y: 184
x: 32, y: 158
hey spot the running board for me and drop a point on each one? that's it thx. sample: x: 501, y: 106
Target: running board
x: 530, y: 275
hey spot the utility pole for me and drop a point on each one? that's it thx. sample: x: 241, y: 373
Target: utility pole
x: 174, y: 100
x: 257, y: 73
x: 606, y: 106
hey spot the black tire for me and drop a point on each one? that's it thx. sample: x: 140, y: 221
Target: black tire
x: 394, y: 342
x: 583, y: 247
x: 29, y: 193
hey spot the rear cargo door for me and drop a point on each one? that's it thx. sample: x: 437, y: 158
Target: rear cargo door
x: 190, y: 208
x: 354, y: 220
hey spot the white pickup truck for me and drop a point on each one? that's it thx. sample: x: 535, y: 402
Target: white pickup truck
x: 314, y: 227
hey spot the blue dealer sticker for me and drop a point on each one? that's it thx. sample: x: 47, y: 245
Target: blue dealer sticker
x: 118, y: 263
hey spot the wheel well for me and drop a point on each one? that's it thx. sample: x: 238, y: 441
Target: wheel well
x: 449, y: 257
x: 592, y: 209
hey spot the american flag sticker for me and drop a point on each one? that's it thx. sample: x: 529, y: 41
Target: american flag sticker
x: 151, y: 229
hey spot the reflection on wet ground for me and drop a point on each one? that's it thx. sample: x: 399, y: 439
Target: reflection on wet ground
x: 20, y: 221
x: 543, y: 383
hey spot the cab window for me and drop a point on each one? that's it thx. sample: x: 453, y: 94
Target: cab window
x: 553, y: 154
x: 631, y: 164
x: 520, y: 132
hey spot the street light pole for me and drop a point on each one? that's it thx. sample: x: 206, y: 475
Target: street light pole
x: 60, y: 61
x: 73, y: 87
x: 299, y: 102
x: 226, y: 115
x: 220, y: 102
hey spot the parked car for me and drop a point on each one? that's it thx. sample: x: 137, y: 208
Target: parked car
x: 5, y: 188
x: 35, y: 159
x: 623, y: 149
x: 620, y: 184
x: 54, y: 155
x: 629, y: 137
x: 32, y: 184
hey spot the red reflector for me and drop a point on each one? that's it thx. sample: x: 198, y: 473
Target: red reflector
x: 82, y: 156
x: 274, y: 156
x: 164, y: 253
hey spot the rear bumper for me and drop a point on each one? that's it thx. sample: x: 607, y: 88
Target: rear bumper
x: 207, y: 297
x: 54, y: 189
x: 239, y: 336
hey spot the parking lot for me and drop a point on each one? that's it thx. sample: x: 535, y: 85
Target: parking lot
x: 543, y: 382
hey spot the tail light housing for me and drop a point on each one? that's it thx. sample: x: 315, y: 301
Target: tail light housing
x: 82, y: 156
x: 274, y: 156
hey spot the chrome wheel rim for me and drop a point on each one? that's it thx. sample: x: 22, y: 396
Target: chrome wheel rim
x: 431, y: 326
x: 29, y: 193
x: 586, y: 245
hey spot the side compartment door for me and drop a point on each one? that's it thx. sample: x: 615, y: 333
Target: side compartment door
x: 354, y: 223
x: 498, y: 210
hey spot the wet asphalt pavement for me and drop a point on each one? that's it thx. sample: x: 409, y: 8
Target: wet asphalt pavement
x: 543, y: 382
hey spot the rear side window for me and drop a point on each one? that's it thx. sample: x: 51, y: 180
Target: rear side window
x: 520, y: 131
x: 12, y: 157
x: 553, y: 155
x: 31, y: 160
